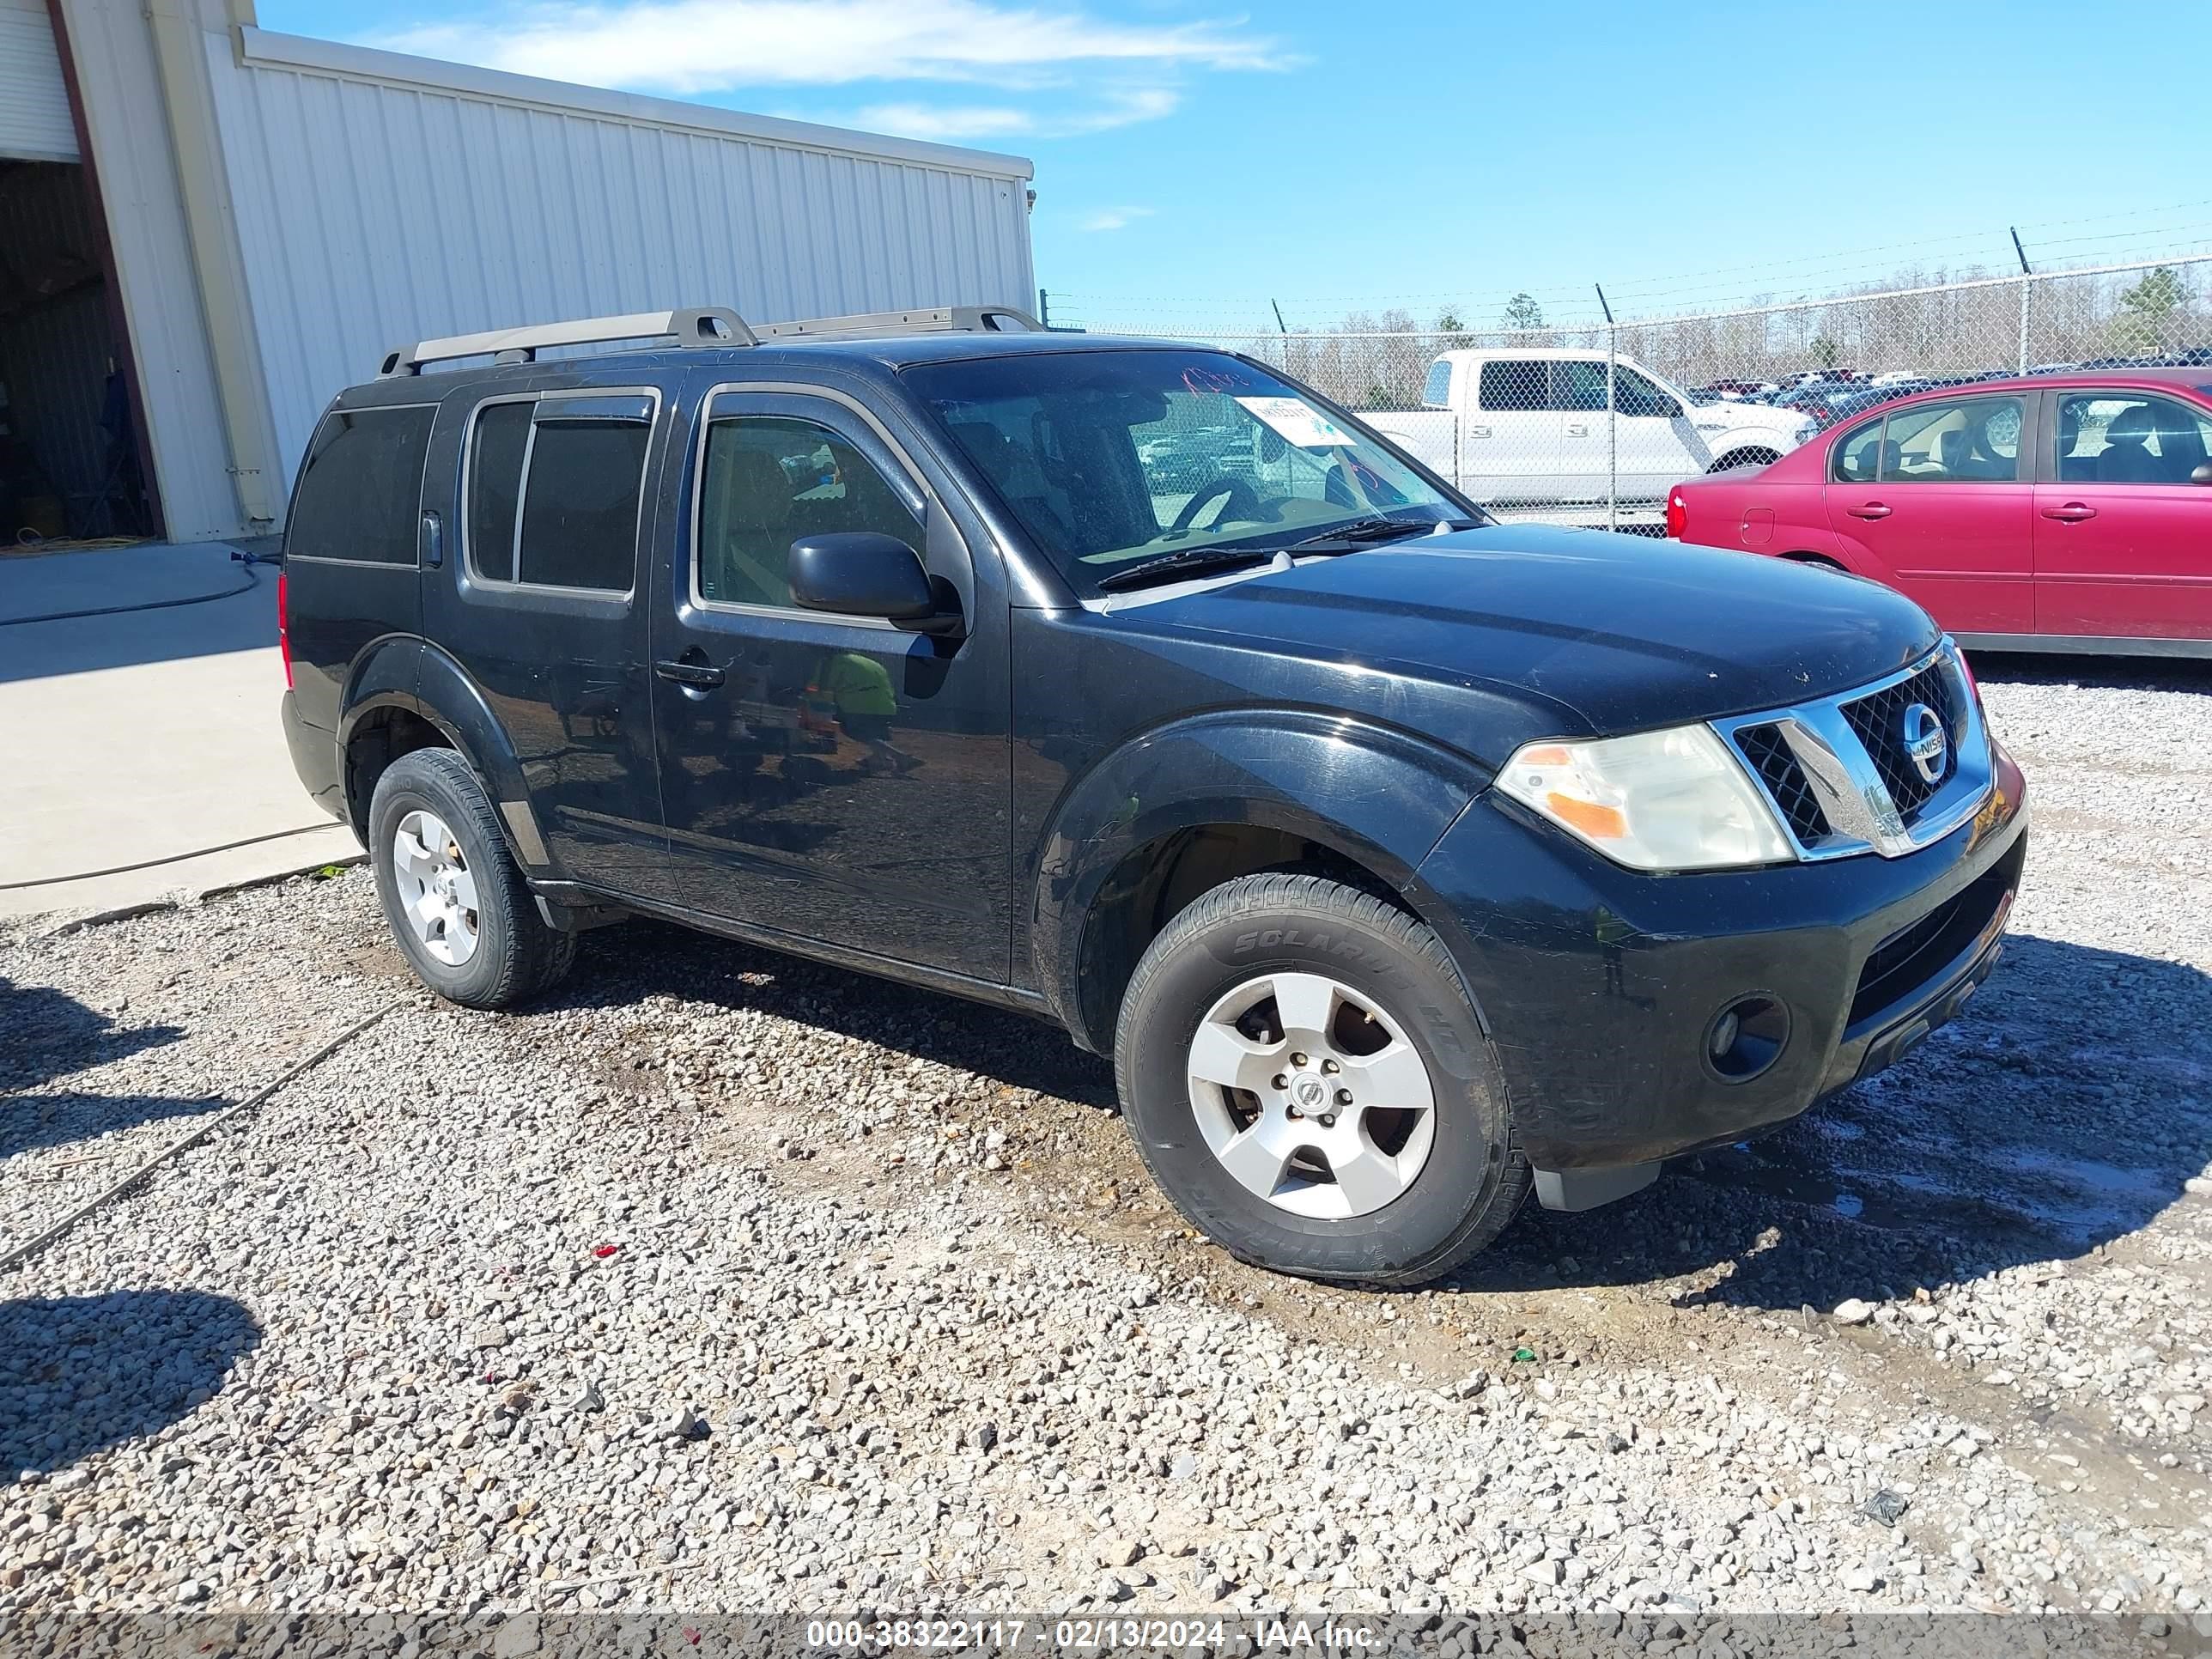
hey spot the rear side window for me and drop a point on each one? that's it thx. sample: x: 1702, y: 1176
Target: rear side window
x: 1509, y: 383
x: 362, y: 486
x: 553, y: 490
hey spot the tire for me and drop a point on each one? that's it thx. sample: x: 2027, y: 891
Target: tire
x: 489, y: 947
x: 1456, y: 1185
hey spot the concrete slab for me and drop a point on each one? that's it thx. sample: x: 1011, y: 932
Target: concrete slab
x: 140, y: 753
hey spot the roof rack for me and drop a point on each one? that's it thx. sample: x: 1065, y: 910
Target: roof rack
x: 701, y: 326
x: 875, y: 325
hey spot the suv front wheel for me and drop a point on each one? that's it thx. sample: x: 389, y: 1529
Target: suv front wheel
x: 1306, y: 1078
x: 459, y: 906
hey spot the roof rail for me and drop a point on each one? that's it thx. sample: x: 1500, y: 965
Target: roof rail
x: 875, y: 324
x: 697, y: 326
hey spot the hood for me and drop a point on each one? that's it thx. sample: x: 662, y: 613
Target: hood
x: 1737, y: 416
x: 1628, y: 632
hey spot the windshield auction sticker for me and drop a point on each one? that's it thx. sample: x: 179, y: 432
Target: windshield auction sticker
x: 1298, y: 421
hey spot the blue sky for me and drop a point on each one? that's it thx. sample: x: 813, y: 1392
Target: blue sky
x: 1193, y: 162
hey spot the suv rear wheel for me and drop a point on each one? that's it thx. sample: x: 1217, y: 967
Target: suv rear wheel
x: 1305, y: 1076
x: 457, y: 903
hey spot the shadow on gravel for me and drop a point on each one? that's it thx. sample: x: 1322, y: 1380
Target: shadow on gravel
x: 2064, y: 1111
x: 624, y: 964
x: 50, y: 1034
x: 80, y: 1373
x: 2123, y: 673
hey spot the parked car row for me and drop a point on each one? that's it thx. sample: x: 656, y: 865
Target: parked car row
x: 2069, y: 511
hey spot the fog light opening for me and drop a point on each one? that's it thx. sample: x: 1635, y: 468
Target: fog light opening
x: 1746, y: 1037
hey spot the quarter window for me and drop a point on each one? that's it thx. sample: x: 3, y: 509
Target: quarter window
x: 1509, y: 383
x: 553, y: 490
x: 359, y: 493
x: 768, y: 480
x: 1435, y: 392
x: 2115, y: 437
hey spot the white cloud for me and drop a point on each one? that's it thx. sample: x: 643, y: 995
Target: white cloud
x: 1118, y: 218
x: 962, y: 123
x: 690, y: 47
x: 946, y: 123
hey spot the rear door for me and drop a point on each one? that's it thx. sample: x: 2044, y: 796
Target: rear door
x: 2123, y: 531
x: 543, y: 608
x: 1510, y: 442
x: 1940, y: 506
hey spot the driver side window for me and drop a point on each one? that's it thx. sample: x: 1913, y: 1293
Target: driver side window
x: 1966, y: 440
x: 1632, y: 394
x: 766, y: 481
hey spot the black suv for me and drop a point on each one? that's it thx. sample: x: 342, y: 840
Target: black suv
x: 1401, y: 861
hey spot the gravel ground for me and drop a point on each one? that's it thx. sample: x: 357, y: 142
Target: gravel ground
x: 728, y: 1282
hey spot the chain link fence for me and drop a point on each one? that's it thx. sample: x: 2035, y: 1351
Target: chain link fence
x: 1594, y: 423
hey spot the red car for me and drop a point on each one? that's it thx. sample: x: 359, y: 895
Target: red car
x: 2056, y: 513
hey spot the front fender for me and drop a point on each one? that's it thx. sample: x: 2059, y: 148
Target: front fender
x: 1749, y: 437
x: 1370, y: 794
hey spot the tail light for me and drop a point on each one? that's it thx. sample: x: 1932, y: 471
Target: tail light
x: 1677, y: 514
x: 283, y: 630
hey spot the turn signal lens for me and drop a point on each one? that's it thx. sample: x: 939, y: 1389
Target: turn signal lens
x: 1672, y: 799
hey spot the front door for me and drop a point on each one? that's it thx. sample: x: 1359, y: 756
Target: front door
x: 836, y: 778
x: 1935, y: 501
x: 2122, y: 532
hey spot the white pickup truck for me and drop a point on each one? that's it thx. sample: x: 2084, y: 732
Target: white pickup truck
x: 1525, y: 431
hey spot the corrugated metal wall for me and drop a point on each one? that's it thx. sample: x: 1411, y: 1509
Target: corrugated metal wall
x: 34, y: 112
x: 122, y: 92
x: 375, y: 210
x: 53, y: 324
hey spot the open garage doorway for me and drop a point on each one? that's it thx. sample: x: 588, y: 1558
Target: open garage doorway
x: 71, y: 466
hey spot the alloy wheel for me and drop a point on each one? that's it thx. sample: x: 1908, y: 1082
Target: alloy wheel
x: 1311, y: 1097
x: 437, y: 893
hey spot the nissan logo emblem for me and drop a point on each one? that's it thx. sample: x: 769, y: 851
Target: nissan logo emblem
x: 1924, y: 742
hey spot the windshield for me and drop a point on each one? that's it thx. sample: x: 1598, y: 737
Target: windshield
x: 1107, y: 458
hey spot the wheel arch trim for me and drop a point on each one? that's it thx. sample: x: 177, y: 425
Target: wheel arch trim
x: 1369, y: 793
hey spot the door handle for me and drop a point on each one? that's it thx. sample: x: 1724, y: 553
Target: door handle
x: 699, y: 674
x: 2072, y: 513
x: 1578, y: 428
x: 1868, y: 510
x: 1478, y: 432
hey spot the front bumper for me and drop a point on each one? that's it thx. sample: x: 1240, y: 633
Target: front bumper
x: 1600, y: 987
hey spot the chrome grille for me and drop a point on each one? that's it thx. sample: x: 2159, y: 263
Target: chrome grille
x: 1839, y: 773
x: 1879, y: 720
x: 1768, y: 751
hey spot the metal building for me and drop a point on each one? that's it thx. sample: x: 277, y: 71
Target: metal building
x: 206, y: 229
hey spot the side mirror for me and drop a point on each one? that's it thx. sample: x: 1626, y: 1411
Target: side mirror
x: 2202, y: 475
x: 863, y: 573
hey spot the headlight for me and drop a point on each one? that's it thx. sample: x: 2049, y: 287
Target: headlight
x: 1675, y: 799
